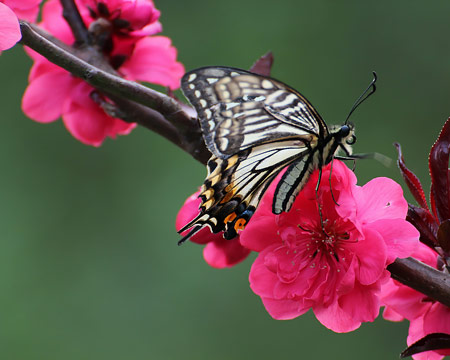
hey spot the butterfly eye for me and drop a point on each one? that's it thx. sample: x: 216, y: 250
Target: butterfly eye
x: 344, y: 131
x: 351, y: 140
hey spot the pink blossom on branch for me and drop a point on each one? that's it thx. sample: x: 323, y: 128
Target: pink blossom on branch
x: 84, y: 118
x: 335, y: 267
x: 218, y: 252
x: 24, y: 9
x: 426, y: 316
x: 131, y: 17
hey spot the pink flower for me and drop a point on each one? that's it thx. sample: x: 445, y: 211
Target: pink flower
x: 335, y: 267
x: 426, y: 316
x: 218, y: 252
x: 143, y: 58
x: 131, y: 17
x: 9, y: 28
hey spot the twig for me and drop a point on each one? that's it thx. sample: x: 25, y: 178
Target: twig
x: 423, y: 278
x: 78, y: 27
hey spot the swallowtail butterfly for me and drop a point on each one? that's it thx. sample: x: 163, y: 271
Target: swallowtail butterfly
x: 256, y: 126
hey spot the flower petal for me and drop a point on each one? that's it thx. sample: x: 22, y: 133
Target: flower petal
x: 222, y: 253
x: 372, y: 255
x: 85, y: 120
x: 392, y: 315
x: 24, y: 9
x: 9, y: 28
x: 400, y: 237
x: 260, y: 233
x: 380, y: 198
x: 154, y: 60
x: 54, y: 23
x: 335, y: 318
x: 415, y: 333
x: 437, y: 319
x: 36, y: 102
x: 284, y: 309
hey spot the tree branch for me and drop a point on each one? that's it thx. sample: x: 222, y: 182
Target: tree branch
x: 423, y: 278
x: 76, y: 23
x: 183, y: 130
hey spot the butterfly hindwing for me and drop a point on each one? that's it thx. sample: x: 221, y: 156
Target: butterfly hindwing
x: 233, y: 188
x: 238, y: 110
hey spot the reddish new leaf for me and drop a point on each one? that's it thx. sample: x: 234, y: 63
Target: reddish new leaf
x: 263, y: 65
x: 411, y: 180
x: 425, y: 223
x: 438, y: 162
x: 436, y: 341
x: 443, y: 236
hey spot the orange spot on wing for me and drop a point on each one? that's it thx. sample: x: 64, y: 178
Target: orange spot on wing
x: 240, y: 224
x: 227, y: 197
x: 230, y: 218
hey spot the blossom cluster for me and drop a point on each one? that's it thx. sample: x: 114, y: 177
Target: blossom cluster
x: 426, y: 316
x: 123, y: 33
x: 334, y: 265
x: 334, y: 261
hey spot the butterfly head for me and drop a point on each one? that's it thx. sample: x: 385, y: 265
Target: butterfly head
x: 345, y: 137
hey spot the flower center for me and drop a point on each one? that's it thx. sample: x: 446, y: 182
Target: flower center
x: 309, y: 250
x: 325, y: 244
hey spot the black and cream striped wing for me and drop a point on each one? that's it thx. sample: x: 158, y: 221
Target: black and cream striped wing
x: 234, y: 186
x: 238, y: 110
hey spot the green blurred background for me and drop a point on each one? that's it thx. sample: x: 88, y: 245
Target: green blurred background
x: 89, y: 266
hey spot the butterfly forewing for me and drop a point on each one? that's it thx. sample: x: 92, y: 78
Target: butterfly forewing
x: 238, y: 110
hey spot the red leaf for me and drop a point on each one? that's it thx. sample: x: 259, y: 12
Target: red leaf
x: 432, y: 202
x: 443, y: 236
x: 411, y: 180
x: 438, y: 162
x: 425, y: 222
x: 436, y: 341
x: 263, y: 65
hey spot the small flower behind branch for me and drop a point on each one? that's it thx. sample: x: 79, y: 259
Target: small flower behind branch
x: 120, y: 29
x: 426, y: 315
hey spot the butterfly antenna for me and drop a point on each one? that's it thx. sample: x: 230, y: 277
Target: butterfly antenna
x: 369, y: 91
x: 192, y: 232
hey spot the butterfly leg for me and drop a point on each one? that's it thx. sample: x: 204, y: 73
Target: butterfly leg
x: 329, y: 181
x: 319, y: 205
